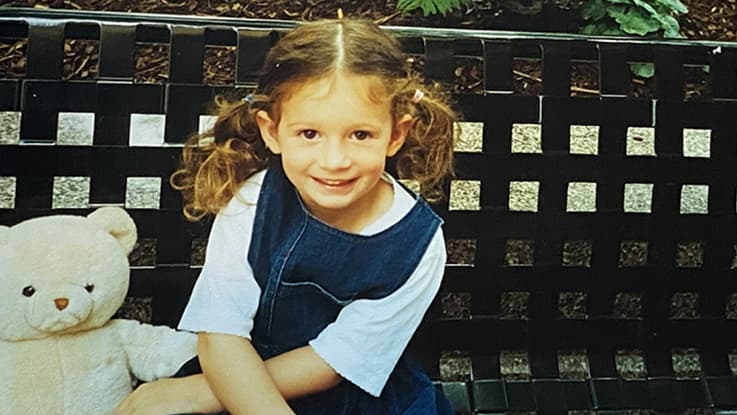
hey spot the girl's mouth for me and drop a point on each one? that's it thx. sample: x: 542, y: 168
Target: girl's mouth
x: 334, y: 183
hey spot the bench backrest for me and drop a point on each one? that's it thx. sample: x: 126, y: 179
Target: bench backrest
x: 591, y: 231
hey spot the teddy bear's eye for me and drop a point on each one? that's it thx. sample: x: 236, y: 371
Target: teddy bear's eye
x: 29, y: 291
x: 89, y: 287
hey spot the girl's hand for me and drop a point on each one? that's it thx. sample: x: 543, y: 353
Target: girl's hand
x: 167, y: 396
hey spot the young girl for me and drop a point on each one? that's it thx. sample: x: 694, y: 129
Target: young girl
x: 320, y: 265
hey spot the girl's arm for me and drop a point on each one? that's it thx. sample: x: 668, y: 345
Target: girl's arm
x: 301, y: 372
x: 243, y: 383
x: 295, y: 374
x: 189, y: 394
x: 237, y: 375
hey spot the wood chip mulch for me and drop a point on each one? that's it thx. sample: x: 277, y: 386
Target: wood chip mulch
x: 710, y: 19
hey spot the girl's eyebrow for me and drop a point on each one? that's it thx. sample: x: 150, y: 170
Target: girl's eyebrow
x: 299, y: 123
x: 352, y: 127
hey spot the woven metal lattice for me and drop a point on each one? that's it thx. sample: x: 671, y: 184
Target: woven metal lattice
x: 592, y: 239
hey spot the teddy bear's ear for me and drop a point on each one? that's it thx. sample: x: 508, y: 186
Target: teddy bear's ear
x: 117, y: 223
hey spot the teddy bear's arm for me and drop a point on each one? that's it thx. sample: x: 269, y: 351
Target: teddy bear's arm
x: 154, y: 352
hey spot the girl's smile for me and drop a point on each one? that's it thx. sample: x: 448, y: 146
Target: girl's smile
x: 335, y: 184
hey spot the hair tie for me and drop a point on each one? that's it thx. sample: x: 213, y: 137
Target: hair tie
x: 417, y: 97
x: 249, y: 99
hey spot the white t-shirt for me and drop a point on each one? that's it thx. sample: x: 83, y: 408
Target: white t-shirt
x: 367, y: 339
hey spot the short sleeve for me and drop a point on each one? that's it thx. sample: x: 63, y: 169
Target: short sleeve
x: 367, y: 339
x: 225, y: 297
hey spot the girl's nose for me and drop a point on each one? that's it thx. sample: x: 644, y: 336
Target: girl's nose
x: 334, y: 155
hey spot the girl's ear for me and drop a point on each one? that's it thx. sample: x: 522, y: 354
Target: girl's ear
x: 399, y: 134
x: 267, y: 127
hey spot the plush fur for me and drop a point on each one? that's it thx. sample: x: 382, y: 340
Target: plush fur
x: 62, y: 278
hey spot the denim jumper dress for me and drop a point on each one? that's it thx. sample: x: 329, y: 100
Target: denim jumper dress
x: 308, y: 271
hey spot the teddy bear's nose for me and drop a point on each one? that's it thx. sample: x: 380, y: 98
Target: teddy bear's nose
x: 61, y: 303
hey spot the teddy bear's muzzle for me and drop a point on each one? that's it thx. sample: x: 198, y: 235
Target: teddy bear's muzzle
x: 59, y: 313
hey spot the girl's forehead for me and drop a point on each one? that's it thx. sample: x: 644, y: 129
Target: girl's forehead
x: 365, y: 87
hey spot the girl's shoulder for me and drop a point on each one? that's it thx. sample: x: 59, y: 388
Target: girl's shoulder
x: 247, y: 195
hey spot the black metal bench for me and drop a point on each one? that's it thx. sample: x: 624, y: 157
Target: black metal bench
x: 591, y: 238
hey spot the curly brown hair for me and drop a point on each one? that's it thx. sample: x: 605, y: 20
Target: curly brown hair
x: 216, y: 163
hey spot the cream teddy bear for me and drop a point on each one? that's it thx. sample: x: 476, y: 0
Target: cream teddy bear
x: 61, y: 280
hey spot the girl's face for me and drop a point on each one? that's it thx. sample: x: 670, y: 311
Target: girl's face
x: 334, y: 136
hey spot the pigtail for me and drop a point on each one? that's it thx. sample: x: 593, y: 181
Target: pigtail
x: 215, y: 163
x: 427, y: 154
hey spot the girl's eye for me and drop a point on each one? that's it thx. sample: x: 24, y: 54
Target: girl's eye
x: 361, y: 135
x: 308, y: 134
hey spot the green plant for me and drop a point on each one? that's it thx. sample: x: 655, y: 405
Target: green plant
x: 632, y: 17
x: 650, y: 18
x: 431, y: 6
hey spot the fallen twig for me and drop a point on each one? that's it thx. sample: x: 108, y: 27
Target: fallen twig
x: 574, y: 88
x: 79, y: 68
x: 385, y: 19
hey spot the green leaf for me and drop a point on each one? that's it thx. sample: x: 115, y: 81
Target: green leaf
x: 634, y: 22
x: 668, y: 23
x: 674, y: 5
x: 643, y: 70
x: 403, y: 4
x: 648, y: 8
x: 408, y: 5
x: 591, y: 29
x: 428, y: 8
x: 612, y: 9
x: 603, y: 28
x: 444, y: 6
x: 671, y: 27
x: 593, y: 9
